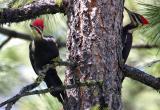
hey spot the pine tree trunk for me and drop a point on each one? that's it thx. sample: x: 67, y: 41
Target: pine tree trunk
x: 94, y: 42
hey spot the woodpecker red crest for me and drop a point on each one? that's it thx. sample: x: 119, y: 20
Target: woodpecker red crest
x: 144, y: 20
x: 136, y: 18
x: 38, y: 24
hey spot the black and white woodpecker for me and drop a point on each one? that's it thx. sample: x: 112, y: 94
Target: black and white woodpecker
x: 42, y: 51
x: 136, y: 20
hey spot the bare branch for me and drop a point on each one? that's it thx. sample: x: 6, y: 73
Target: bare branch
x: 145, y: 46
x: 14, y: 34
x: 18, y: 96
x: 151, y: 63
x: 142, y: 77
x: 23, y: 90
x: 9, y: 106
x: 30, y: 11
x: 15, y: 98
x: 5, y: 42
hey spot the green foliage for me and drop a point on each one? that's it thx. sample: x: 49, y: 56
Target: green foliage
x: 18, y: 3
x: 58, y: 2
x: 4, y: 4
x: 11, y: 62
x: 136, y: 96
x: 98, y: 107
x: 14, y: 3
x: 41, y: 102
x: 8, y: 75
x: 152, y: 12
x: 95, y: 107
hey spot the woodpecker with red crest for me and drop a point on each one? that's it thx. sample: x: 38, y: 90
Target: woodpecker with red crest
x: 136, y: 20
x: 43, y: 51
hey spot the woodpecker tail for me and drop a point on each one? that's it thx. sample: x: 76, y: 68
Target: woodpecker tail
x: 136, y: 19
x: 53, y: 80
x: 127, y: 44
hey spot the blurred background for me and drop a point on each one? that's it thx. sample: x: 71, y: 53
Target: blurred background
x: 16, y: 70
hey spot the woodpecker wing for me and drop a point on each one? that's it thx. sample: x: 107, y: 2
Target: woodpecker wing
x: 127, y: 46
x: 42, y: 52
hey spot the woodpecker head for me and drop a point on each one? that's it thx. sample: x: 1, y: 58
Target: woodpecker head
x: 37, y: 27
x: 136, y: 19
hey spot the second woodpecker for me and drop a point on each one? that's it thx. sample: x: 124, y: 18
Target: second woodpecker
x: 136, y: 20
x: 43, y: 50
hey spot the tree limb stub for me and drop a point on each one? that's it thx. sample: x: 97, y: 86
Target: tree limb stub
x: 142, y: 77
x: 5, y: 42
x: 31, y: 11
x: 147, y: 46
x: 14, y: 34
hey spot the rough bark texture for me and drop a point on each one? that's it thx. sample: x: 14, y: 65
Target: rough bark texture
x: 94, y: 42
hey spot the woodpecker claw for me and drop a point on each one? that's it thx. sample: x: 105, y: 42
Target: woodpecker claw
x: 40, y: 78
x: 59, y: 62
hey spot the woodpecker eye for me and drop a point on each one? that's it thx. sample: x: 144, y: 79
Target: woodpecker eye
x: 144, y: 20
x: 37, y: 29
x: 31, y: 26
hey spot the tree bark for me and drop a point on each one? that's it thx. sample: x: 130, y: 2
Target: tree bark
x: 94, y: 42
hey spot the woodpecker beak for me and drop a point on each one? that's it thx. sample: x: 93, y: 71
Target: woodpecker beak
x: 37, y: 32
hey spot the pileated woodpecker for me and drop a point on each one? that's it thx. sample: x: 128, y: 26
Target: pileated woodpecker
x: 136, y: 20
x: 43, y: 50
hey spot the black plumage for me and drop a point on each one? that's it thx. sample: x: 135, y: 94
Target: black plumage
x: 136, y: 20
x: 42, y: 52
x: 127, y: 40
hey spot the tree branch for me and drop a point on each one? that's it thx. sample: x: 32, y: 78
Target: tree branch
x: 142, y: 77
x: 5, y: 42
x: 30, y: 11
x: 145, y: 46
x: 15, y: 98
x: 14, y: 34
